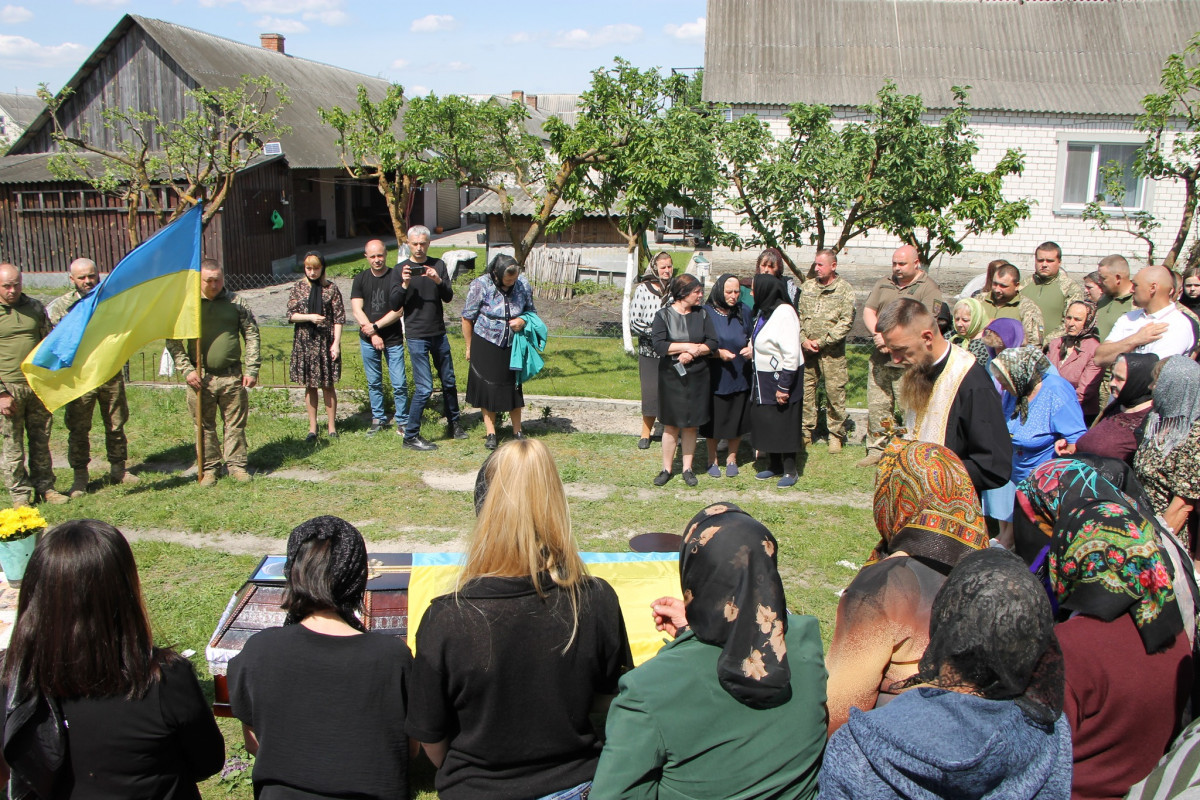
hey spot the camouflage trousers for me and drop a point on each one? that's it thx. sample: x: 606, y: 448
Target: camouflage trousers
x: 30, y: 419
x: 829, y: 365
x: 883, y: 389
x: 222, y: 393
x: 114, y: 413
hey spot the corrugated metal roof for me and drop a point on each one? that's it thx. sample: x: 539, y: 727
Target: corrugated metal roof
x: 522, y: 205
x: 1072, y: 56
x: 213, y: 62
x: 21, y: 108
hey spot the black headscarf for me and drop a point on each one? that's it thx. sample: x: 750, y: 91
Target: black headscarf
x: 497, y: 268
x: 769, y: 294
x: 735, y: 601
x: 1139, y: 372
x: 316, y: 304
x: 716, y: 298
x: 991, y: 626
x: 347, y: 563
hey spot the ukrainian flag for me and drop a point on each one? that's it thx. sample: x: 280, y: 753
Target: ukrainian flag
x: 154, y: 293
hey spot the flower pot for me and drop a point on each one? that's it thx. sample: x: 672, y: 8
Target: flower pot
x: 14, y: 557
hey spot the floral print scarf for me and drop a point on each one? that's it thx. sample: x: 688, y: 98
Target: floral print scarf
x: 1176, y: 404
x: 735, y: 601
x: 1021, y: 369
x: 1105, y: 561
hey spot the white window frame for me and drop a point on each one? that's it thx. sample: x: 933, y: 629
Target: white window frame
x: 1065, y: 139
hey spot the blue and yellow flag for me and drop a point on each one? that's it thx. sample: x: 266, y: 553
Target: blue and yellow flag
x: 154, y: 293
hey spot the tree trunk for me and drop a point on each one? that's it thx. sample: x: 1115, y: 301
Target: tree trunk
x: 631, y: 276
x: 394, y: 204
x: 1185, y: 224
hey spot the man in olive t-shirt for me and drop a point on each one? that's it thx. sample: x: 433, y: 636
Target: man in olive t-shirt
x: 23, y: 323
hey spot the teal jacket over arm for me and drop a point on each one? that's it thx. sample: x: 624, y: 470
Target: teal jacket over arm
x: 527, y: 346
x: 673, y: 733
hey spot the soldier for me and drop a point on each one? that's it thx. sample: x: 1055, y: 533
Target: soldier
x: 22, y: 325
x: 114, y: 409
x: 907, y: 280
x: 1051, y: 289
x: 1007, y: 302
x: 224, y: 317
x: 826, y: 316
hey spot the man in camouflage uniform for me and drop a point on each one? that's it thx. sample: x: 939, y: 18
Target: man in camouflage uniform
x: 826, y: 315
x: 1006, y: 302
x: 114, y: 409
x: 907, y: 280
x: 1051, y: 289
x: 23, y: 324
x: 223, y: 318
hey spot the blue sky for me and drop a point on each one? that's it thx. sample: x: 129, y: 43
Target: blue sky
x: 469, y: 46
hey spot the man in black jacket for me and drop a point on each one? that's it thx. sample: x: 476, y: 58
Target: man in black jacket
x: 423, y: 289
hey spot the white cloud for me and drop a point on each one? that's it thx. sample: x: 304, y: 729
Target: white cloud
x: 458, y: 66
x: 520, y: 37
x: 688, y: 30
x: 287, y: 6
x: 11, y: 15
x: 414, y: 91
x: 582, y: 39
x: 105, y: 3
x: 23, y: 52
x: 280, y: 25
x: 333, y: 18
x: 399, y: 63
x: 432, y: 23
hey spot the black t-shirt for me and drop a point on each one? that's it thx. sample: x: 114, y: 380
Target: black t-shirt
x: 155, y: 747
x: 328, y: 711
x: 490, y: 676
x: 376, y: 294
x: 422, y: 301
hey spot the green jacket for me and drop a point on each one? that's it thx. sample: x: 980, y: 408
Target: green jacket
x: 1052, y: 298
x: 61, y: 305
x: 222, y: 320
x: 675, y: 734
x: 1109, y: 311
x: 826, y: 312
x: 1024, y: 311
x: 21, y: 328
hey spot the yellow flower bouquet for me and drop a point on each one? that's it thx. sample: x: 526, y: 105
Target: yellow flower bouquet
x: 19, y: 523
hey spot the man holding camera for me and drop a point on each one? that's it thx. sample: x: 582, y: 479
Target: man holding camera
x: 423, y: 288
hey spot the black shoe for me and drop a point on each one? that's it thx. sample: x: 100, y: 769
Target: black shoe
x: 417, y: 443
x: 643, y: 444
x: 689, y: 477
x: 457, y: 432
x: 661, y: 478
x: 310, y: 438
x: 518, y: 436
x: 376, y: 424
x: 490, y: 441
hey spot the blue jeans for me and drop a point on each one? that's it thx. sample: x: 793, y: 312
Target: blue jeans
x: 373, y: 366
x: 421, y: 351
x: 570, y: 794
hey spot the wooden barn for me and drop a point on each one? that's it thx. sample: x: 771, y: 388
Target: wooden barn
x: 149, y: 65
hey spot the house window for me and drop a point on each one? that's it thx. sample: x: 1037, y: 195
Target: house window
x: 1080, y: 177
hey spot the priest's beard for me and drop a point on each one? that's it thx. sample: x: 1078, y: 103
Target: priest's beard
x: 916, y: 386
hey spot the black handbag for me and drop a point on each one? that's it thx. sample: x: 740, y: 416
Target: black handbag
x: 35, y: 744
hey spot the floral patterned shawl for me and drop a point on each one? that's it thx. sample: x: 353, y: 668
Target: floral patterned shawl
x: 735, y: 601
x: 1105, y: 561
x: 925, y: 505
x: 1176, y: 403
x: 1021, y: 368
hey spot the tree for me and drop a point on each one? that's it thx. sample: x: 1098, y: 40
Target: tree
x: 826, y: 185
x: 1169, y: 152
x: 373, y: 146
x: 666, y: 156
x: 195, y: 158
x: 1138, y: 224
x: 486, y: 145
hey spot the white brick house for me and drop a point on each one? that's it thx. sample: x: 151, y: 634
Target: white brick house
x: 1060, y: 79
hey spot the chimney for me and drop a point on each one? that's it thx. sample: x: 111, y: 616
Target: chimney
x: 518, y: 96
x: 531, y: 101
x: 271, y: 41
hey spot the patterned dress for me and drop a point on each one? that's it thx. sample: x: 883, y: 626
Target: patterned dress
x: 312, y: 364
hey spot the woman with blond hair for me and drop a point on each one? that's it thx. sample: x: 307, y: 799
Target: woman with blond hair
x: 511, y: 661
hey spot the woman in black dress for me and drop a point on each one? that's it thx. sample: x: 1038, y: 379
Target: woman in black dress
x: 315, y: 308
x: 93, y: 708
x: 730, y: 370
x: 683, y: 337
x: 492, y: 315
x: 778, y: 380
x: 323, y: 703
